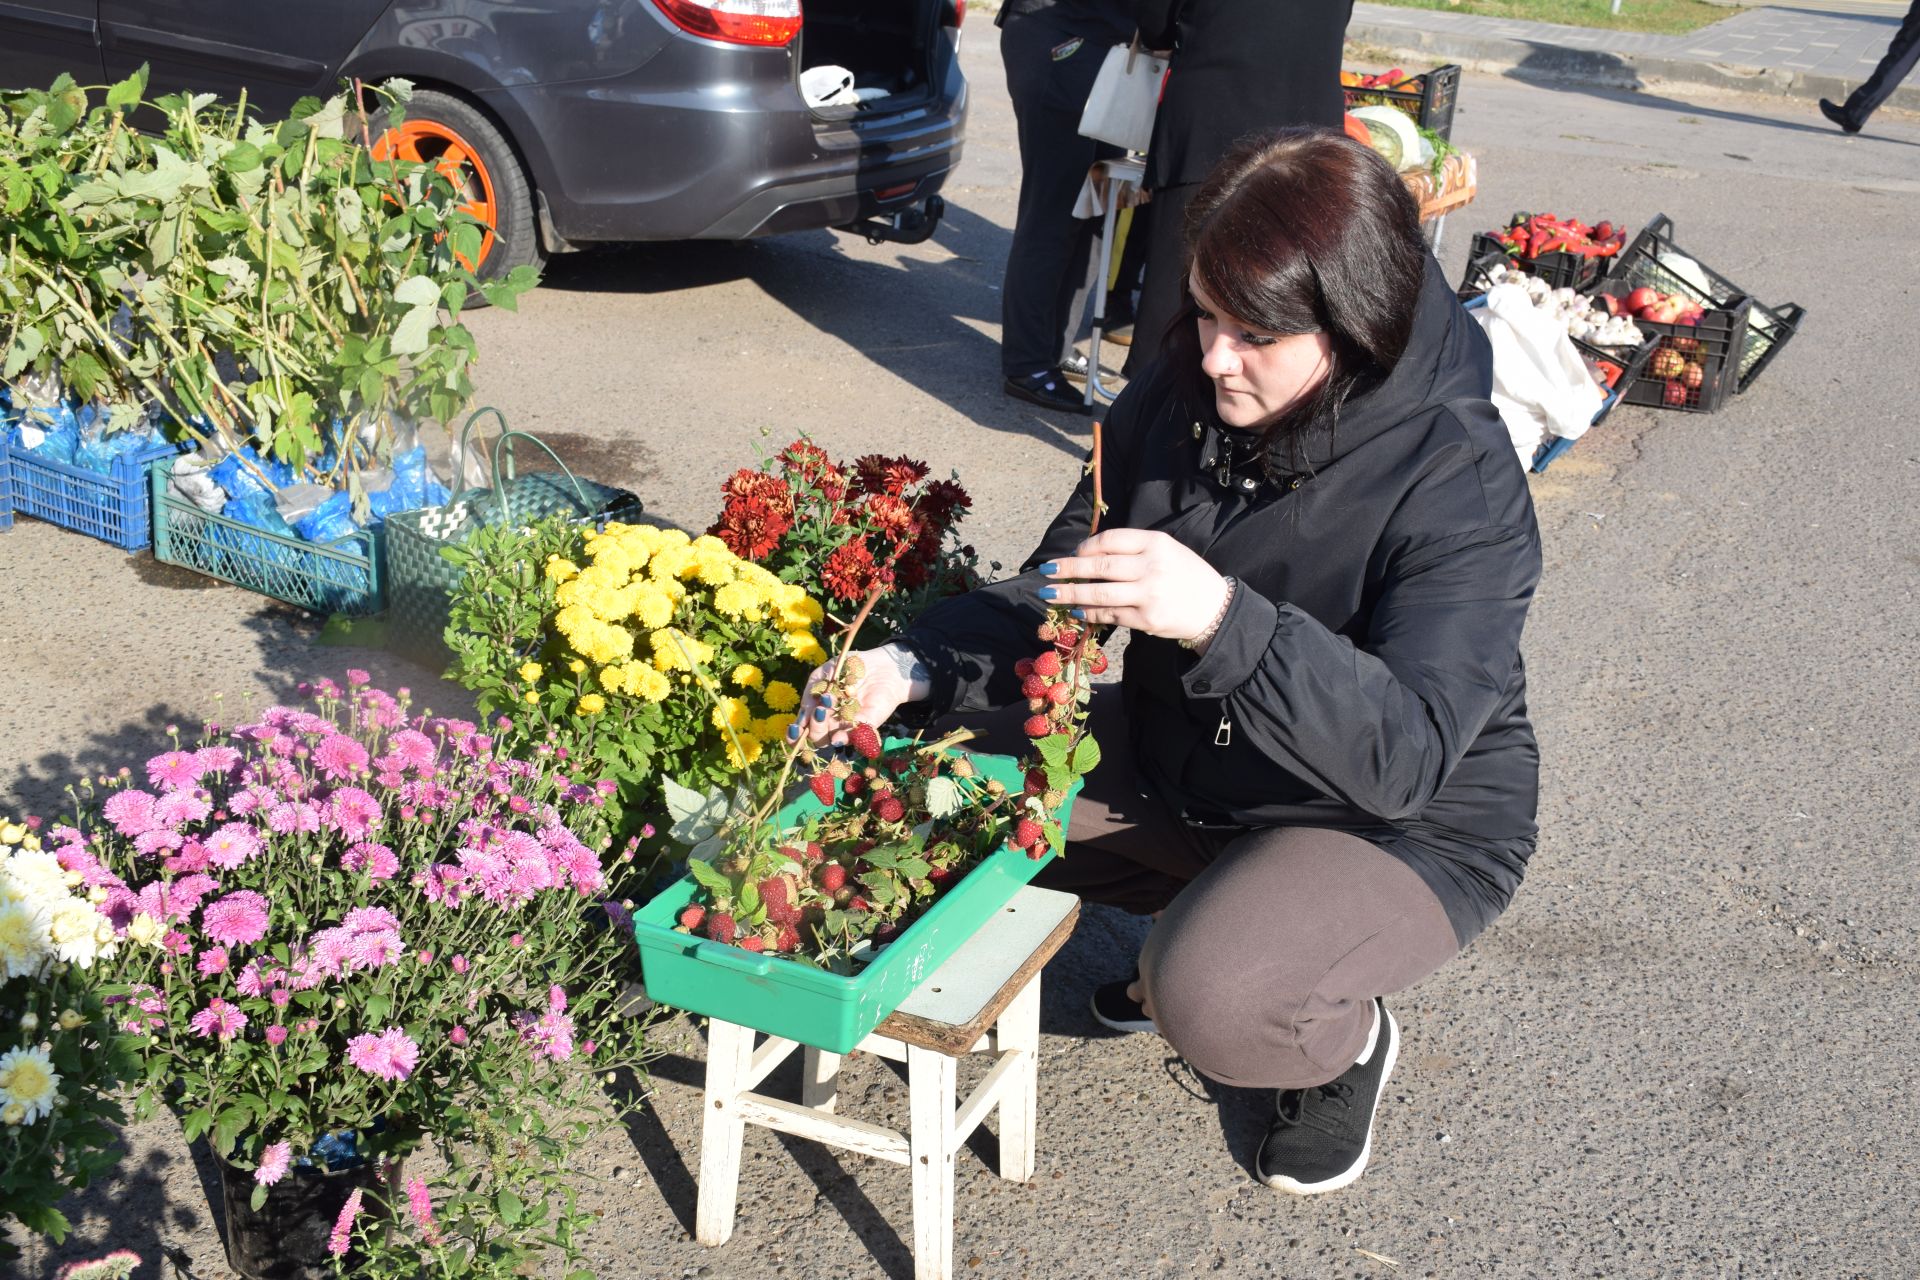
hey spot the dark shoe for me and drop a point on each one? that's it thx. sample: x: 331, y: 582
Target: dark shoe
x: 1839, y: 116
x: 1049, y: 390
x: 1112, y: 1007
x: 1121, y: 335
x: 1320, y: 1138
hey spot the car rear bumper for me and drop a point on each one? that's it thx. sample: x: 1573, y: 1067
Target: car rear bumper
x: 713, y: 142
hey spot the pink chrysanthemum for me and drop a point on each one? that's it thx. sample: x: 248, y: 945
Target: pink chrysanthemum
x: 159, y: 840
x: 237, y: 919
x: 232, y: 845
x: 353, y: 813
x: 342, y: 1236
x: 276, y: 1035
x: 357, y: 677
x: 178, y: 808
x: 217, y: 760
x: 173, y: 769
x: 131, y: 812
x: 551, y: 1034
x: 391, y: 1055
x: 218, y: 1019
x: 274, y: 1160
x: 369, y: 919
x: 287, y: 818
x: 376, y: 859
x: 339, y: 756
x: 212, y: 961
x: 415, y: 748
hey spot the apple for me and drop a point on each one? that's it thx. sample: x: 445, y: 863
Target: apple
x: 1685, y: 346
x: 1693, y: 376
x: 1611, y: 303
x: 1641, y: 298
x: 1675, y: 393
x: 1667, y: 363
x: 1603, y: 232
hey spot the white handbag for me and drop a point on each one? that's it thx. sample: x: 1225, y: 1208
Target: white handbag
x: 1125, y: 95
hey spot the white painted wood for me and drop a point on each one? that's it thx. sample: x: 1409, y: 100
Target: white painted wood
x: 729, y: 1058
x: 883, y: 1047
x: 1008, y: 1070
x: 959, y: 989
x: 1019, y: 1031
x: 820, y: 1079
x: 931, y: 1081
x: 766, y: 1058
x: 838, y: 1131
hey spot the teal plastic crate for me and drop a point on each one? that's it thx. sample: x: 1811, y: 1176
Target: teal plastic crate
x: 343, y: 576
x: 794, y: 999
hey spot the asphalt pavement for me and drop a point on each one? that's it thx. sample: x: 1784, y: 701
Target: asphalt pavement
x: 1686, y: 1051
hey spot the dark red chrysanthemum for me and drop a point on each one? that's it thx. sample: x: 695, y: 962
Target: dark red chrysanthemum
x: 881, y: 474
x: 850, y: 572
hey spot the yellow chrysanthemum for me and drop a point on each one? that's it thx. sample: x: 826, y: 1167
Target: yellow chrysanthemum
x: 675, y: 650
x: 590, y: 704
x: 531, y: 672
x: 805, y: 648
x: 781, y: 696
x: 748, y: 676
x: 561, y: 569
x: 715, y: 571
x: 652, y: 606
x: 734, y: 600
x: 576, y: 666
x: 771, y: 728
x: 649, y: 684
x: 731, y: 713
x: 744, y: 752
x: 671, y: 562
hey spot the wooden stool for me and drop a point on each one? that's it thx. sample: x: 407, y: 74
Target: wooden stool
x: 986, y: 997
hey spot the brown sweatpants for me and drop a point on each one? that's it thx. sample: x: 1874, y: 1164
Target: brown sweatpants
x: 1275, y: 940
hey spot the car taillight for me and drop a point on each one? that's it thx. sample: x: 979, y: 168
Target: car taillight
x: 767, y: 22
x: 955, y: 13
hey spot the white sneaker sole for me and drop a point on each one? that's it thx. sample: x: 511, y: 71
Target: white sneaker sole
x: 1348, y: 1177
x: 1141, y: 1026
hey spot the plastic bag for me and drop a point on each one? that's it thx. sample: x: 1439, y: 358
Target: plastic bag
x: 1540, y: 384
x: 62, y: 432
x: 413, y: 487
x: 827, y: 86
x: 298, y: 501
x: 240, y: 481
x: 191, y: 482
x: 100, y: 452
x: 330, y: 520
x: 257, y: 509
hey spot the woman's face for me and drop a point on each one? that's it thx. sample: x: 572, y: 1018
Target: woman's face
x: 1256, y: 375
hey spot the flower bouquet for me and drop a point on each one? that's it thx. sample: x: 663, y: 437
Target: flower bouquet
x: 842, y: 531
x: 638, y: 652
x: 343, y: 930
x: 60, y: 1056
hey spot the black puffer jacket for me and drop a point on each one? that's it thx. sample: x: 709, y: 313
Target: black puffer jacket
x: 1367, y: 677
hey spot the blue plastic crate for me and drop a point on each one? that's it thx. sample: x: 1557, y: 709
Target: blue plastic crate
x: 113, y: 506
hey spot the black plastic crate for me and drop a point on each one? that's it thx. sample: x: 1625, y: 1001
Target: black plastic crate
x: 1714, y: 344
x: 1561, y: 270
x: 1639, y: 264
x: 1430, y: 103
x: 1633, y: 364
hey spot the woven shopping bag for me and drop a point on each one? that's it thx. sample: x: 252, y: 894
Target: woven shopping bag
x: 421, y: 581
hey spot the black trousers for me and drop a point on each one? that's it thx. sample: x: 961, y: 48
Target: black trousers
x: 1050, y: 72
x: 1163, y: 294
x: 1902, y: 53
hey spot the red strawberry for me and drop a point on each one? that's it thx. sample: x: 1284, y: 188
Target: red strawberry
x: 938, y: 874
x: 857, y: 903
x: 1037, y: 727
x: 1047, y: 664
x: 789, y: 939
x: 814, y: 851
x: 1036, y: 781
x: 1048, y: 632
x: 1023, y: 668
x: 865, y: 739
x: 776, y: 895
x: 822, y: 784
x: 1038, y: 851
x: 1098, y: 663
x: 1026, y: 833
x: 831, y: 876
x: 1067, y: 638
x: 1060, y: 694
x: 889, y: 808
x: 854, y: 785
x: 752, y: 943
x: 720, y: 927
x: 692, y: 916
x: 1034, y: 686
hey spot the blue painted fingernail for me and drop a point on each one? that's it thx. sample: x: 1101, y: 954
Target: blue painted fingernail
x: 819, y: 713
x: 826, y: 699
x: 793, y: 733
x: 1049, y: 567
x: 1079, y: 613
x: 1048, y: 593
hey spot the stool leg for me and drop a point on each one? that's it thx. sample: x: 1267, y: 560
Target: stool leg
x: 729, y: 1059
x: 1019, y: 1028
x: 819, y: 1079
x: 931, y: 1080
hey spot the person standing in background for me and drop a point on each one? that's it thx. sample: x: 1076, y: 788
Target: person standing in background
x: 1902, y: 53
x: 1238, y: 67
x: 1052, y: 51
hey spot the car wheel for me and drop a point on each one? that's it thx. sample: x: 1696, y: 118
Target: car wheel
x: 439, y: 129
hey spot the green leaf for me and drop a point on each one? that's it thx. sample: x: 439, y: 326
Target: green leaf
x: 417, y: 291
x: 241, y: 157
x: 944, y: 797
x: 129, y: 91
x: 1053, y: 749
x: 511, y: 1209
x: 415, y: 328
x: 1086, y: 755
x: 710, y: 879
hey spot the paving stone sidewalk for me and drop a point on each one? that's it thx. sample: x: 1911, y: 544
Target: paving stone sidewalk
x: 1799, y: 53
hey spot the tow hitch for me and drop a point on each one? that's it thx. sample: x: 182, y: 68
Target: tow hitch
x: 908, y: 226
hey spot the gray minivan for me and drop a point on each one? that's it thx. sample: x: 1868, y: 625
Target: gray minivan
x: 573, y: 121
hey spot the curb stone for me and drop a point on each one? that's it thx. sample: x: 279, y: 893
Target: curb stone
x: 1545, y: 63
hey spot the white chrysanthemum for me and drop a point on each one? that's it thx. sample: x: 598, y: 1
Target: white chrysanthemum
x: 30, y: 1082
x: 76, y: 930
x: 36, y: 875
x: 24, y: 939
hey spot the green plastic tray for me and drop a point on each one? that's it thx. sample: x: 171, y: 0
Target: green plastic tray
x: 795, y: 1000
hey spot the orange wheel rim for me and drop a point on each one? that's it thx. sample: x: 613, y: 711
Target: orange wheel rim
x: 430, y: 142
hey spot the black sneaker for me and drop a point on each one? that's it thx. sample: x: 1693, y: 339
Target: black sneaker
x: 1113, y: 1007
x: 1839, y: 116
x: 1049, y: 390
x: 1320, y: 1138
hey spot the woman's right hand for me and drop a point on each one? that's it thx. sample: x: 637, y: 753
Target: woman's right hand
x: 893, y: 676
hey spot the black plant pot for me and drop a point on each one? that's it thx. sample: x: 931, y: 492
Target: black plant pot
x: 286, y: 1237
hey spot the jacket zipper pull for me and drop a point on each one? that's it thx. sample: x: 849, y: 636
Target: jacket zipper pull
x: 1223, y: 734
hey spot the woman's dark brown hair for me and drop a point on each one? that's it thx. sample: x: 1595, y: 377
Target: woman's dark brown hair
x: 1304, y: 231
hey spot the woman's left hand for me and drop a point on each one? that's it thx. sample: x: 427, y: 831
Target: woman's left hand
x: 1140, y: 579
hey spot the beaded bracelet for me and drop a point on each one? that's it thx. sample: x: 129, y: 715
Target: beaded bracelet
x: 1207, y: 633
